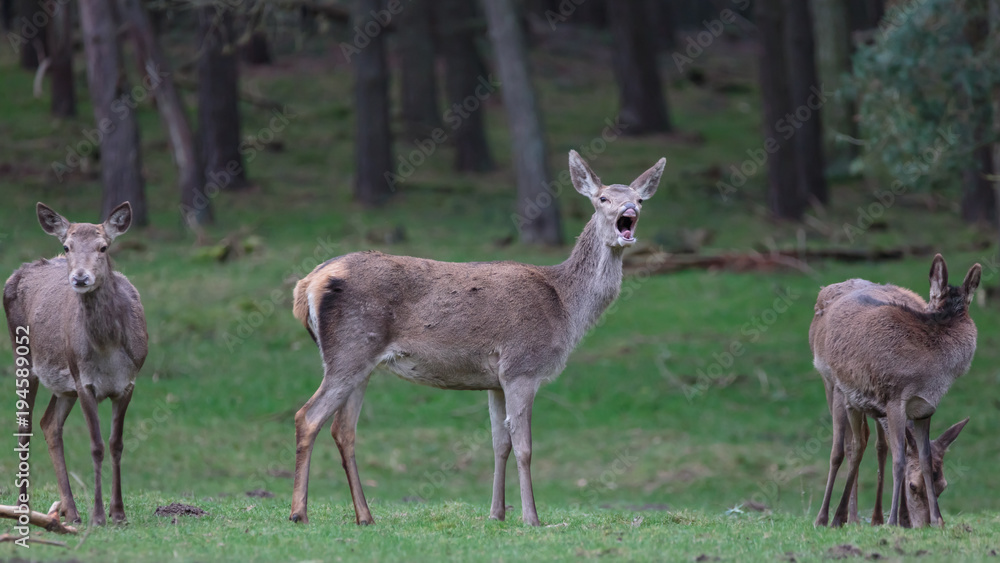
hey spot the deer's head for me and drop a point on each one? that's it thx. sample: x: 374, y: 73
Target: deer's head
x: 916, y: 491
x: 617, y: 205
x: 86, y: 244
x: 949, y: 298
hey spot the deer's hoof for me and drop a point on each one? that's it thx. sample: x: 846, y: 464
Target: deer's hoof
x: 299, y: 518
x: 821, y: 521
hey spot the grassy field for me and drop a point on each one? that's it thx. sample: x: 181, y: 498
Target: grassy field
x: 635, y: 455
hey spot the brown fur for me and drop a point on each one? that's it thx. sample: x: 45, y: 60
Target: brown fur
x: 884, y: 352
x: 504, y: 327
x: 87, y: 340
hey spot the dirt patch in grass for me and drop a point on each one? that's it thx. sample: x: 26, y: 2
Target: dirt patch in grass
x: 178, y: 509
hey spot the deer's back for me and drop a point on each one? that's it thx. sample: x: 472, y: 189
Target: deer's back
x: 430, y: 320
x: 109, y: 350
x: 878, y: 341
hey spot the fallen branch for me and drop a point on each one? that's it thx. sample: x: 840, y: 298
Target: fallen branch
x: 654, y: 261
x: 36, y: 540
x: 49, y: 522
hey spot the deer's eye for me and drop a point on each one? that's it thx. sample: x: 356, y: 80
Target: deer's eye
x: 604, y: 199
x: 104, y: 248
x: 65, y: 248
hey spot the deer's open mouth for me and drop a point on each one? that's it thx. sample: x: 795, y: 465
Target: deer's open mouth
x: 626, y: 224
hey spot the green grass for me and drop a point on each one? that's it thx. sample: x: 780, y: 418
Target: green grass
x: 625, y: 432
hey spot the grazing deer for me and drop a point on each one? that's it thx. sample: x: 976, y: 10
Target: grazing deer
x: 884, y: 352
x: 87, y: 340
x: 914, y: 510
x: 502, y: 327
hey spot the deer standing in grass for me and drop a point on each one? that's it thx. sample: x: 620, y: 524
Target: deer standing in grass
x: 886, y: 353
x: 502, y: 327
x: 87, y: 340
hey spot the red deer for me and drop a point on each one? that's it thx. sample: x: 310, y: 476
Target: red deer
x: 87, y: 340
x: 502, y: 327
x: 886, y: 353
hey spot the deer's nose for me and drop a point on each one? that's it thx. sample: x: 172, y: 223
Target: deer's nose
x: 79, y: 279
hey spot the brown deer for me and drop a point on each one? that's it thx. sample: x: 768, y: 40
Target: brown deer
x: 884, y: 352
x: 914, y: 510
x: 87, y: 340
x: 502, y: 327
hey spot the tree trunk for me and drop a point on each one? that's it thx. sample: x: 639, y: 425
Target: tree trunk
x: 121, y: 162
x: 643, y: 107
x: 979, y: 202
x: 418, y: 87
x: 664, y: 24
x: 807, y: 100
x: 256, y: 50
x: 6, y: 15
x: 833, y: 56
x: 196, y: 205
x: 864, y: 14
x: 373, y: 146
x: 61, y: 65
x: 994, y: 26
x: 537, y: 209
x: 218, y: 102
x: 465, y: 74
x: 30, y: 45
x: 784, y: 198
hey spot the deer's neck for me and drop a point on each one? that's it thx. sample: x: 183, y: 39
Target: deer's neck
x: 103, y: 315
x: 589, y: 280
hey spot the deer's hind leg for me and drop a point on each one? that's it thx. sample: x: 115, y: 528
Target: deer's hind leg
x: 333, y: 394
x: 23, y: 442
x: 841, y: 433
x: 344, y: 429
x: 857, y: 450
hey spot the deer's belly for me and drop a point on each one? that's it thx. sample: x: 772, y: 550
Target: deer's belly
x: 107, y: 379
x: 459, y: 375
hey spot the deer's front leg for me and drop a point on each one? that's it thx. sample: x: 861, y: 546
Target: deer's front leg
x: 88, y: 402
x: 520, y: 395
x: 52, y: 425
x: 118, y: 408
x: 501, y: 451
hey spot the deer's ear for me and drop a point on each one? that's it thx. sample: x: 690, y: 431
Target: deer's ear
x: 647, y: 183
x: 584, y: 179
x: 118, y: 220
x: 949, y: 435
x: 971, y: 282
x: 939, y: 277
x: 51, y: 222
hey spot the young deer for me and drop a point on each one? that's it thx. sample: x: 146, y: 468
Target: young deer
x: 503, y: 327
x: 885, y: 353
x: 914, y: 510
x: 87, y: 339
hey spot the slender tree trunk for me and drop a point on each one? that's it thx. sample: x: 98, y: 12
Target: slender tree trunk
x: 218, y: 101
x: 537, y: 211
x: 784, y: 198
x: 6, y: 15
x: 807, y: 100
x: 61, y: 65
x: 121, y: 162
x: 466, y: 71
x: 833, y: 56
x: 32, y: 36
x: 418, y: 87
x: 994, y: 27
x: 643, y: 107
x: 979, y: 202
x: 196, y: 205
x: 373, y: 146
